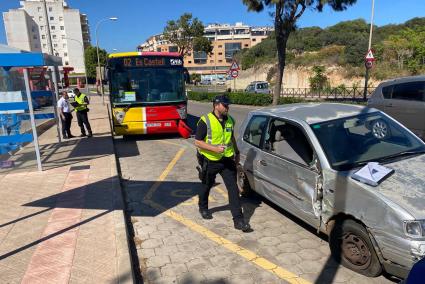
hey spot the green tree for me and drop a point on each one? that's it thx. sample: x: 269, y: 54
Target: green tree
x: 286, y: 13
x: 90, y: 56
x: 187, y: 34
x: 319, y: 81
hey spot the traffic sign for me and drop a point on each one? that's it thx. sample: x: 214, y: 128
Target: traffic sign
x: 234, y: 66
x: 369, y: 56
x: 234, y: 73
x: 368, y: 64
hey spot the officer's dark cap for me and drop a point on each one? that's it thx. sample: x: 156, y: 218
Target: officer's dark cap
x: 222, y: 99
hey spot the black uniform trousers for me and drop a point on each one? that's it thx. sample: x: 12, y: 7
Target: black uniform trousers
x: 226, y: 167
x: 66, y: 124
x: 83, y: 120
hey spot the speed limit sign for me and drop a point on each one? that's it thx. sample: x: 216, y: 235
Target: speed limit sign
x: 368, y: 64
x: 234, y: 73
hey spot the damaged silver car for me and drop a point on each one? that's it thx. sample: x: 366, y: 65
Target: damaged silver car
x: 302, y: 157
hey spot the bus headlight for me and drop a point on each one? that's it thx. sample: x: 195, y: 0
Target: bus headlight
x: 119, y: 116
x: 182, y: 110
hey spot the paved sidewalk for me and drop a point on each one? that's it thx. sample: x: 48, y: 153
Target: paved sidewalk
x: 66, y: 224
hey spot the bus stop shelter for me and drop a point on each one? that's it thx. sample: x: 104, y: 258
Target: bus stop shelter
x: 18, y: 101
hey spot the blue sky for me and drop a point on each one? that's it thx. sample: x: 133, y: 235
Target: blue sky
x: 139, y: 19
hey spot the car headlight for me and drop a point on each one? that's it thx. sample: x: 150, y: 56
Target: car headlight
x: 415, y: 229
x: 119, y: 116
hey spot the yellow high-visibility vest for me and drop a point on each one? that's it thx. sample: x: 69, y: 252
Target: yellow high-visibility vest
x: 217, y: 135
x: 81, y: 101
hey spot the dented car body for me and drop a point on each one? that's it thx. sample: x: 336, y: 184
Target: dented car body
x: 302, y: 157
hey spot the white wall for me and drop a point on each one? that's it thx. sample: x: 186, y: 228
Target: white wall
x: 73, y: 30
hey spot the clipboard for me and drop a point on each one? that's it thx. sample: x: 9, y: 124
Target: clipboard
x: 372, y: 174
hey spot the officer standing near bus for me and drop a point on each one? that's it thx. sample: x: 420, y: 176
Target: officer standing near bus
x: 219, y: 154
x: 81, y: 108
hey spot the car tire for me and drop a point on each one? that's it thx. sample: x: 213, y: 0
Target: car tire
x: 242, y: 181
x: 380, y: 129
x: 351, y: 246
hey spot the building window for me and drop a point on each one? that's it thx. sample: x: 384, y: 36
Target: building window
x: 254, y: 39
x: 231, y: 49
x: 40, y: 18
x: 199, y: 57
x: 55, y: 45
x: 158, y: 49
x: 52, y: 28
x: 62, y: 28
x: 60, y: 18
x: 44, y: 45
x: 56, y: 54
x: 189, y: 62
x: 220, y: 61
x: 220, y: 46
x: 220, y: 53
x: 38, y: 9
x: 63, y: 36
x: 34, y: 37
x: 54, y: 36
x: 50, y: 9
x: 211, y: 61
x: 65, y: 54
x: 64, y: 45
x: 246, y: 45
x: 52, y: 18
x: 41, y: 28
x: 43, y: 37
x: 173, y: 49
x: 66, y: 63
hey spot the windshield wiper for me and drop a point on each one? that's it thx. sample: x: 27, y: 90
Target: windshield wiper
x: 399, y: 155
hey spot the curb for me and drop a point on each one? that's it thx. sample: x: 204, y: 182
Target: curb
x: 124, y: 263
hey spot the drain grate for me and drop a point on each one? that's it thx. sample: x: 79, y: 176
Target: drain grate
x: 79, y: 168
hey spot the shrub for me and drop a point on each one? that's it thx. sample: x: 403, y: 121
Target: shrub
x: 242, y: 98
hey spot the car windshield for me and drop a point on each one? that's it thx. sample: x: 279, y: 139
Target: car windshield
x: 351, y: 142
x: 147, y: 85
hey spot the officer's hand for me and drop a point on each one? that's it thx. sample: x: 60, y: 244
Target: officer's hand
x: 220, y: 149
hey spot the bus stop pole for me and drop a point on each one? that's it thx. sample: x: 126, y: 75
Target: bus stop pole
x: 55, y: 99
x: 34, y: 129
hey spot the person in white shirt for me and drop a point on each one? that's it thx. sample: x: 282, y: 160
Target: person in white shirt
x: 65, y: 115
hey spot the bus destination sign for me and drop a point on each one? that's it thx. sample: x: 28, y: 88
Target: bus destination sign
x: 151, y: 62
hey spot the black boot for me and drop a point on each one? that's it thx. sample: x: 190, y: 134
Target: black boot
x: 240, y: 224
x: 205, y: 214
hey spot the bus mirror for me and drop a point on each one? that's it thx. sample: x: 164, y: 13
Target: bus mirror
x: 186, y: 76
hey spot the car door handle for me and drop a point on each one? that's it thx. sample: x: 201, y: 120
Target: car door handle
x: 263, y: 163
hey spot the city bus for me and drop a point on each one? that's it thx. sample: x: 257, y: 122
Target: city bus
x: 147, y: 93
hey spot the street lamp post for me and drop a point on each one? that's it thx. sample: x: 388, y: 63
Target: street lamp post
x: 369, y: 47
x: 97, y: 51
x: 84, y: 60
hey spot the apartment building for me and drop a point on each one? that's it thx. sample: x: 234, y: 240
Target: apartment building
x: 226, y: 41
x: 30, y: 26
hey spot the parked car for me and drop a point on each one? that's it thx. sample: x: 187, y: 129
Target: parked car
x: 258, y: 87
x: 302, y: 156
x: 404, y: 100
x: 221, y: 83
x: 205, y: 82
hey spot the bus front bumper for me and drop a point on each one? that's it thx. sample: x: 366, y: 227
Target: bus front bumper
x: 151, y: 127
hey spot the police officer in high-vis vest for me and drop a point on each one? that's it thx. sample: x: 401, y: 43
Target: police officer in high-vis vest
x: 218, y: 154
x: 80, y: 106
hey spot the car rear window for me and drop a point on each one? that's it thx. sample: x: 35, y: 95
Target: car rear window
x: 411, y: 91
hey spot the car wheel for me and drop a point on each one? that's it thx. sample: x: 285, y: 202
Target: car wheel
x: 242, y: 181
x: 380, y: 129
x: 351, y: 246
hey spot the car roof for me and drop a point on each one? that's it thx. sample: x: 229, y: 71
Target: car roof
x: 311, y: 113
x: 403, y: 79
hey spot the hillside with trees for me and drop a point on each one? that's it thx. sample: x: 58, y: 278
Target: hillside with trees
x: 399, y: 49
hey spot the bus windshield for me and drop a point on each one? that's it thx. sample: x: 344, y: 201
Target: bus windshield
x: 147, y: 85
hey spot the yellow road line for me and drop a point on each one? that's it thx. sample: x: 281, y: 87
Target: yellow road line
x: 222, y: 192
x: 164, y: 174
x: 245, y: 253
x: 169, y: 142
